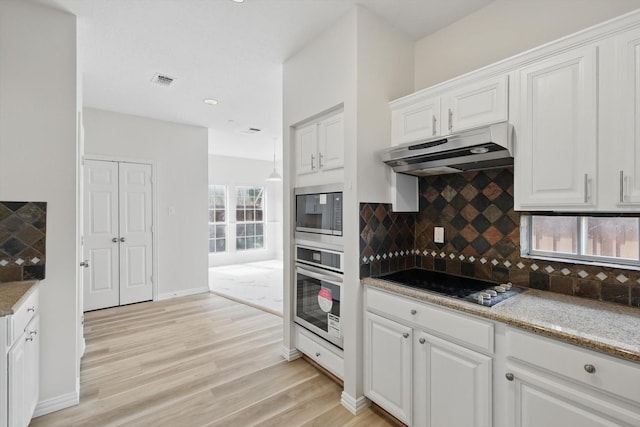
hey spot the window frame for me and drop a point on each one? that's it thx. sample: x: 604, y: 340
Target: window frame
x: 262, y: 222
x: 216, y: 224
x: 526, y: 245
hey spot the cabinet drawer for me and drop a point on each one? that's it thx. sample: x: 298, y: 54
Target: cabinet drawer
x: 22, y: 316
x: 612, y: 375
x: 439, y: 321
x: 324, y: 354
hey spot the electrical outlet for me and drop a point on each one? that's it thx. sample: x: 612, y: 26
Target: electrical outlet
x: 438, y: 234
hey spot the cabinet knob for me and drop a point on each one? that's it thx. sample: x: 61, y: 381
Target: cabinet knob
x: 590, y: 368
x: 422, y: 340
x: 85, y: 263
x: 413, y: 311
x: 406, y: 335
x: 114, y: 240
x: 122, y: 239
x: 509, y: 376
x: 318, y: 354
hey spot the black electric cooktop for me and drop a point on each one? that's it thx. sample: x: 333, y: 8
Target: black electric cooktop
x: 466, y: 288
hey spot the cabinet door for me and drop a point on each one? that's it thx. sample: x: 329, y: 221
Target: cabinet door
x: 387, y: 364
x: 537, y: 401
x: 306, y: 149
x: 628, y: 80
x: 331, y: 143
x: 452, y: 384
x: 476, y: 105
x: 32, y: 364
x: 417, y: 121
x: 556, y: 132
x: 17, y: 360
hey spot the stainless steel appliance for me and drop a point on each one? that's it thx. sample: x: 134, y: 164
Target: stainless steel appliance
x: 465, y: 288
x: 318, y: 291
x: 481, y: 148
x: 319, y: 212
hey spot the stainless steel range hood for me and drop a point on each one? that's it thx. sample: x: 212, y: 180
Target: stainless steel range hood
x: 481, y: 148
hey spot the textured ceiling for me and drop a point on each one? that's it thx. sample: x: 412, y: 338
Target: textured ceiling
x: 217, y: 49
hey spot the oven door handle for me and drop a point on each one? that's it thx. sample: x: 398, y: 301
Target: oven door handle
x: 319, y: 274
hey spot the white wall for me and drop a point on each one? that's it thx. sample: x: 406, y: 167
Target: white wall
x: 503, y: 29
x: 234, y: 172
x: 363, y: 63
x: 38, y: 161
x: 180, y: 153
x: 318, y: 78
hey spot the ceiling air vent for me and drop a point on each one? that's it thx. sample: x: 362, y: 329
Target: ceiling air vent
x: 250, y: 131
x: 162, y: 79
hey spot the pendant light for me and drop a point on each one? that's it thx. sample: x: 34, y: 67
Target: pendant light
x: 274, y: 176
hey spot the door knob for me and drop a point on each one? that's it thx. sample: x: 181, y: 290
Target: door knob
x: 85, y: 263
x: 122, y: 239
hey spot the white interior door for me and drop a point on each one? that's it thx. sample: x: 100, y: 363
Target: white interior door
x: 117, y: 234
x: 101, y: 282
x: 135, y: 233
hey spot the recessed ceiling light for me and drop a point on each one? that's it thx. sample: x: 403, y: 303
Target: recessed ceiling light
x: 237, y: 1
x: 210, y: 101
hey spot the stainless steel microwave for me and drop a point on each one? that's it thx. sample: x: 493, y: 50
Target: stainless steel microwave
x: 319, y: 210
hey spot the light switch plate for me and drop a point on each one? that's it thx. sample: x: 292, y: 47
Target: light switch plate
x: 438, y: 234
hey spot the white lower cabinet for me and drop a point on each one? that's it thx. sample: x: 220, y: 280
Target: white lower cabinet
x: 320, y: 351
x: 21, y: 369
x: 421, y: 378
x: 554, y: 384
x: 388, y: 365
x: 453, y: 384
x: 431, y: 366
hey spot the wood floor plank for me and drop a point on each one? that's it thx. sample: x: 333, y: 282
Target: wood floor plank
x: 197, y: 361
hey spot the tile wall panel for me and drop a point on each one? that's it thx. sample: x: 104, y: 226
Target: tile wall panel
x: 482, y: 239
x: 23, y: 227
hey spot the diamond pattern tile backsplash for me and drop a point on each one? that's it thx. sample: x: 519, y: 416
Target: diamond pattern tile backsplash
x: 482, y: 239
x: 23, y: 227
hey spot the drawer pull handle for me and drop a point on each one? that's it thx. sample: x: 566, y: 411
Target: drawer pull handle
x: 413, y: 311
x: 406, y: 335
x: 590, y: 368
x: 509, y: 376
x: 318, y: 354
x: 29, y: 338
x: 32, y: 333
x: 422, y: 340
x: 31, y: 309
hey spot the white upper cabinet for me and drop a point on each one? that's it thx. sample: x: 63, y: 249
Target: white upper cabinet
x: 421, y: 116
x: 331, y: 143
x: 628, y: 81
x: 319, y: 145
x: 416, y: 121
x: 556, y: 128
x: 476, y: 105
x: 306, y: 148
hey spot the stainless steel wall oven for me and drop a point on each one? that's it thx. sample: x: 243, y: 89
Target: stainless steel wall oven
x: 318, y: 291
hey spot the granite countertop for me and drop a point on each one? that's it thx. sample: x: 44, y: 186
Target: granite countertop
x: 600, y: 326
x: 13, y: 293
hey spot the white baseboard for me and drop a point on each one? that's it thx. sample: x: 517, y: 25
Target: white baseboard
x: 355, y: 406
x: 290, y: 353
x: 182, y: 293
x: 57, y: 403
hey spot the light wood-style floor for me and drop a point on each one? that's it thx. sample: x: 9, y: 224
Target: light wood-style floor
x: 196, y: 361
